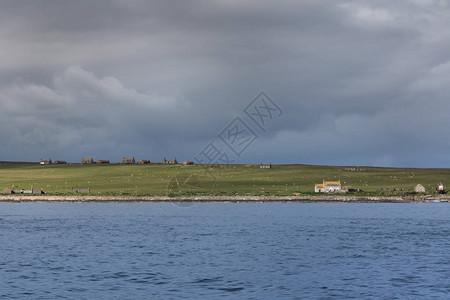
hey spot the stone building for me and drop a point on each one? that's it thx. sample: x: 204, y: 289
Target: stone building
x: 170, y: 162
x: 46, y: 161
x: 419, y: 189
x: 349, y: 189
x: 128, y: 161
x: 80, y: 191
x: 102, y: 161
x: 87, y: 161
x: 8, y: 191
x: 143, y: 162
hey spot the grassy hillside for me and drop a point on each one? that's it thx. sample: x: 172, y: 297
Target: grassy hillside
x: 156, y: 179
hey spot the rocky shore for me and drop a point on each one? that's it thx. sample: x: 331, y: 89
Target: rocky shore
x: 225, y: 199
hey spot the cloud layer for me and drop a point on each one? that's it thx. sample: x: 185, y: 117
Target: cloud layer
x: 360, y: 82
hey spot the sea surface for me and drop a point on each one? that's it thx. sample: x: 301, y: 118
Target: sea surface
x: 224, y: 251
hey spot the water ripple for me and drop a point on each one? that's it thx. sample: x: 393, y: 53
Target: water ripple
x: 219, y: 251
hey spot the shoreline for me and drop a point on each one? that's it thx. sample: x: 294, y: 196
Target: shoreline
x: 222, y: 199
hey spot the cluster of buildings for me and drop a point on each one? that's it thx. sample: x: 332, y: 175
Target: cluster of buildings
x: 125, y: 161
x: 33, y: 191
x: 336, y: 187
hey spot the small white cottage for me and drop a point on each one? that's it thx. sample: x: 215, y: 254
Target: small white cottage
x: 328, y: 187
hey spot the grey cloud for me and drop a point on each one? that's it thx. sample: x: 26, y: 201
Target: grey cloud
x: 361, y: 82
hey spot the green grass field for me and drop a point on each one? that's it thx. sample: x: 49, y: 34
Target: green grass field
x: 176, y: 180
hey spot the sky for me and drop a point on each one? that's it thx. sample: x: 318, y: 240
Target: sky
x: 334, y: 82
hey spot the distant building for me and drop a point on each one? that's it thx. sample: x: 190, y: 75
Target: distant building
x: 32, y: 191
x: 8, y: 191
x: 328, y: 187
x: 419, y: 189
x: 353, y: 169
x: 170, y: 162
x: 80, y: 191
x: 60, y: 162
x: 143, y: 161
x: 188, y: 162
x: 101, y: 161
x: 128, y: 161
x: 269, y: 166
x: 87, y: 161
x: 37, y: 191
x: 46, y: 161
x: 349, y: 188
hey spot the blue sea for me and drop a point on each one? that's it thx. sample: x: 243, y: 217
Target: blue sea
x: 224, y: 251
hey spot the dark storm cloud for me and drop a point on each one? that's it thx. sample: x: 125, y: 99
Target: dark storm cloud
x: 360, y: 82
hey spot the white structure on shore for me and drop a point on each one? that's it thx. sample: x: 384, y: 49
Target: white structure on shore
x: 328, y: 187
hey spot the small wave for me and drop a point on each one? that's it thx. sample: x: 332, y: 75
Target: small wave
x: 236, y: 289
x: 207, y: 280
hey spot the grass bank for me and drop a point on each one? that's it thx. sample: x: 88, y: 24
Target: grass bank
x: 178, y: 180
